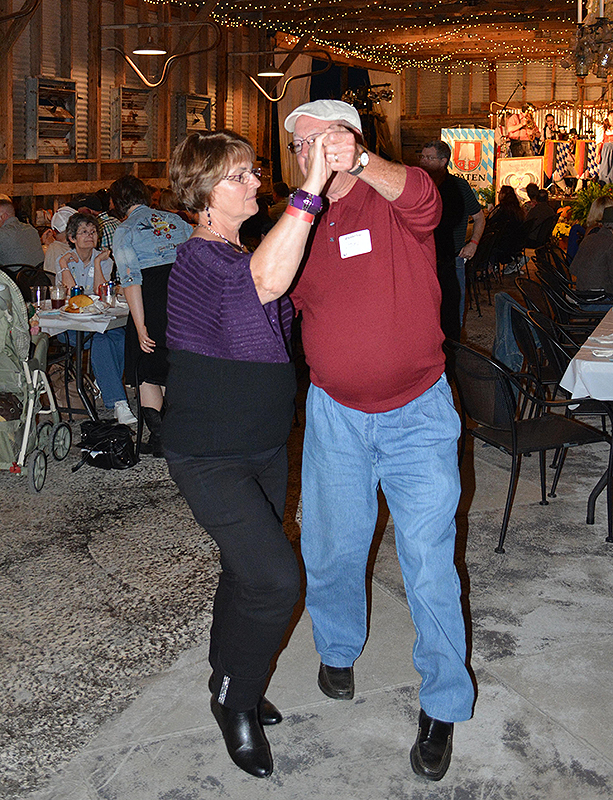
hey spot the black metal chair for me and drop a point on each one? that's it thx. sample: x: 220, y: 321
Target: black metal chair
x: 477, y: 268
x: 488, y: 395
x: 535, y: 361
x: 538, y: 299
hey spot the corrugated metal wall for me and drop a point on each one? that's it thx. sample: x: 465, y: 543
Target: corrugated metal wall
x: 431, y: 96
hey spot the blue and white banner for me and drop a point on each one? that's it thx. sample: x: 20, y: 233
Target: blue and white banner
x: 472, y: 155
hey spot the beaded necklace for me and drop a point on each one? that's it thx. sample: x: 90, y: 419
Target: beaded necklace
x: 240, y: 248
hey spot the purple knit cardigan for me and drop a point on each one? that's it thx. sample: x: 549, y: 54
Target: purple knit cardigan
x: 214, y: 309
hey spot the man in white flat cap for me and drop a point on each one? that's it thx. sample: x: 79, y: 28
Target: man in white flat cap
x: 379, y: 412
x: 59, y: 246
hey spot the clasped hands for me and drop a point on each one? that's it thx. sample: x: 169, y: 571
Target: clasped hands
x: 339, y: 148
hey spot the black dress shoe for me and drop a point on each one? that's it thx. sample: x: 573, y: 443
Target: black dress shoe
x: 269, y: 714
x: 336, y: 682
x: 431, y: 753
x: 244, y: 738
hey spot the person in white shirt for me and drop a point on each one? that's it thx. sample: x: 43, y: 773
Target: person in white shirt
x: 84, y: 265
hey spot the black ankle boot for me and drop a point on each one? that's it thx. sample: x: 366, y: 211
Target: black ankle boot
x: 268, y: 713
x: 153, y: 420
x: 244, y: 738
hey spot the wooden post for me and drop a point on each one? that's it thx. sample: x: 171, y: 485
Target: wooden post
x: 163, y: 148
x: 222, y: 80
x: 470, y: 88
x: 492, y: 82
x: 120, y: 41
x: 66, y: 38
x: 524, y: 78
x: 449, y: 93
x: 6, y: 103
x: 418, y: 93
x: 94, y: 81
x: 553, y: 80
x: 184, y: 63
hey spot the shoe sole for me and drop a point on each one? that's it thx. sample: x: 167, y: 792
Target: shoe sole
x: 420, y: 770
x: 336, y: 695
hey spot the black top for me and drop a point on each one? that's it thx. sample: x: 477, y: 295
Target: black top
x: 218, y: 406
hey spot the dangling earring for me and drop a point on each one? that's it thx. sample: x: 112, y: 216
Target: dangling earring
x: 208, y: 216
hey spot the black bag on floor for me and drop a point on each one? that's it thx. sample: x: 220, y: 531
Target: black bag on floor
x: 106, y: 445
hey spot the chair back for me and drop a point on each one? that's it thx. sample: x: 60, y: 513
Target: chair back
x: 539, y: 234
x: 484, y: 388
x: 557, y: 357
x: 558, y: 334
x: 534, y: 295
x: 523, y: 333
x: 32, y: 276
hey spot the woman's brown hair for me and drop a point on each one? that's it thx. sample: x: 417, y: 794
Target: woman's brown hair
x: 201, y: 161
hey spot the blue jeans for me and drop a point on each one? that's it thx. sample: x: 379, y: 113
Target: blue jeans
x: 107, y: 355
x: 412, y: 452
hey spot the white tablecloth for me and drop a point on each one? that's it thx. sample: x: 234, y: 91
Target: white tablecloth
x: 54, y: 322
x: 588, y: 375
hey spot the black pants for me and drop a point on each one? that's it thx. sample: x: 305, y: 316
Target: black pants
x: 240, y: 500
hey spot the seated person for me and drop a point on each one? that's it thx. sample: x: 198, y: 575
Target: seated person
x: 532, y: 191
x: 19, y: 241
x: 507, y: 219
x: 59, y: 246
x: 540, y: 220
x: 85, y: 266
x: 280, y: 197
x: 593, y: 263
x: 592, y: 224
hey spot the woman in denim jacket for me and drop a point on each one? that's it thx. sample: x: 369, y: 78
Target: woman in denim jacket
x: 144, y: 248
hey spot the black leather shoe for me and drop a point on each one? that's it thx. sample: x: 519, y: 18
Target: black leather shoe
x: 431, y: 753
x: 269, y: 714
x: 336, y: 682
x: 244, y: 738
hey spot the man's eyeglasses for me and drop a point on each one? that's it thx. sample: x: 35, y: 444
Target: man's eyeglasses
x: 296, y: 146
x: 244, y: 176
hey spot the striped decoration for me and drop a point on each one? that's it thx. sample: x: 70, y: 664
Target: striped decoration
x: 483, y: 175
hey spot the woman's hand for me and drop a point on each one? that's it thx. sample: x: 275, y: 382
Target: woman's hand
x: 103, y: 255
x: 318, y: 170
x: 65, y: 274
x: 147, y: 345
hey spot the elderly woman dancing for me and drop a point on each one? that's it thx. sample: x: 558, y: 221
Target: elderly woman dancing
x: 230, y: 398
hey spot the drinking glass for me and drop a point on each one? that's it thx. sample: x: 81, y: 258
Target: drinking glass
x: 58, y: 296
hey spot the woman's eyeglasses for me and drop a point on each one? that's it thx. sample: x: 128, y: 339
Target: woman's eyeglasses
x: 244, y: 176
x: 296, y: 146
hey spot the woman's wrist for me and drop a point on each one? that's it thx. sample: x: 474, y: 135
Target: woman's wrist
x: 306, y: 201
x: 298, y: 213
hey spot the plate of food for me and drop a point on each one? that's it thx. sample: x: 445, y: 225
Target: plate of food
x: 81, y: 304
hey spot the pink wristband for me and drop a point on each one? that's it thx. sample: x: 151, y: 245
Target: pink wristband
x: 299, y: 214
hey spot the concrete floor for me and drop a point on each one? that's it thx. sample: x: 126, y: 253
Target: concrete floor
x: 542, y: 648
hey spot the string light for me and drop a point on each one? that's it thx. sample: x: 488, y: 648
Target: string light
x: 471, y: 43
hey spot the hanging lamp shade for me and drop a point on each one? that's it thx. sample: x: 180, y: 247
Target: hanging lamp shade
x: 270, y: 71
x: 150, y: 48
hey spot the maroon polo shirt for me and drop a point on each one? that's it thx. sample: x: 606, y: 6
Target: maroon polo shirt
x: 371, y: 321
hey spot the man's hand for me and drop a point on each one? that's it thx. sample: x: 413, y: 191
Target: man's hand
x: 341, y: 149
x: 468, y: 251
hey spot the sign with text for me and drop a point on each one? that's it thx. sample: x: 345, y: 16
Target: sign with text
x: 472, y: 155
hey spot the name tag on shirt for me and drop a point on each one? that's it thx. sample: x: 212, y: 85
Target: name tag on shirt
x: 355, y: 244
